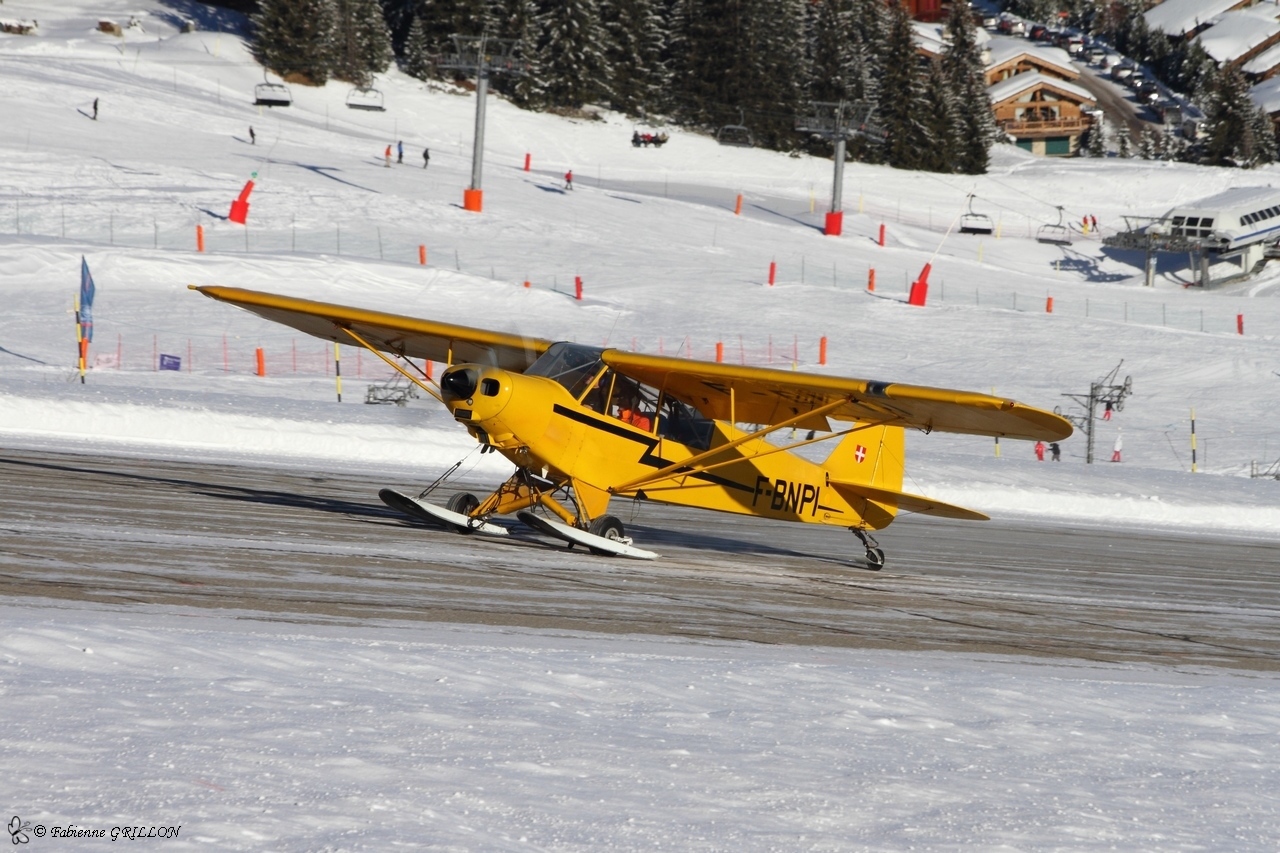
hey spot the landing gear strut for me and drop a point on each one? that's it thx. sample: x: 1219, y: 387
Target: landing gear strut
x: 875, y: 556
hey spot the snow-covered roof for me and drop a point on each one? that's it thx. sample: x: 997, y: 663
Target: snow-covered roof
x: 1267, y: 94
x: 1176, y: 17
x: 1241, y: 198
x: 1019, y: 83
x: 1237, y: 33
x: 1004, y: 50
x: 929, y: 36
x: 934, y: 37
x: 1263, y: 62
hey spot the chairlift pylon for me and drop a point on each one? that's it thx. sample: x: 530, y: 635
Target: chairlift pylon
x: 738, y: 135
x: 975, y: 223
x: 272, y: 95
x: 1056, y: 235
x: 365, y: 98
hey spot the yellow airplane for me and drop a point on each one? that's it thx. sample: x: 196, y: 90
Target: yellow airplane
x: 583, y: 425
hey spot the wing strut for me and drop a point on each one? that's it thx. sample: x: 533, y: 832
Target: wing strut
x: 406, y: 374
x: 781, y: 449
x: 682, y: 467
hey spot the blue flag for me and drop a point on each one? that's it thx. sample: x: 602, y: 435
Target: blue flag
x: 86, y: 300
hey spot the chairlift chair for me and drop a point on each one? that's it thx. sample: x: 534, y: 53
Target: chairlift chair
x: 738, y: 135
x: 1056, y: 235
x: 365, y: 98
x: 975, y: 223
x: 272, y: 95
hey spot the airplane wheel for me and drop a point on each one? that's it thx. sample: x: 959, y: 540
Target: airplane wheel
x: 464, y: 504
x: 875, y: 559
x: 608, y: 527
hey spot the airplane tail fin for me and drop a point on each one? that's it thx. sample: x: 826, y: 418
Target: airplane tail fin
x: 872, y: 457
x: 866, y: 468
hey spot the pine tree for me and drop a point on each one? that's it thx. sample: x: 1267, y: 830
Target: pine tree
x: 1147, y: 145
x: 707, y: 38
x: 901, y: 106
x: 832, y: 37
x: 966, y: 77
x: 1231, y: 123
x: 294, y: 38
x: 777, y: 71
x: 576, y: 69
x: 865, y: 68
x: 637, y: 39
x: 1124, y: 148
x: 440, y: 20
x: 418, y: 61
x: 1097, y: 145
x: 518, y: 20
x: 362, y: 42
x: 1264, y: 135
x: 941, y: 123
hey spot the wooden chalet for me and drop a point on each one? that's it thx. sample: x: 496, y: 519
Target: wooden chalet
x: 1008, y: 58
x: 1044, y: 115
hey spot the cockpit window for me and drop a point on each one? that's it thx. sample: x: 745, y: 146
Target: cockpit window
x: 572, y: 365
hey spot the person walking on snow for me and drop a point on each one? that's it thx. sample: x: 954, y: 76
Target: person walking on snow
x: 253, y: 137
x: 1115, y: 451
x: 1040, y: 451
x: 388, y: 156
x: 1055, y: 452
x: 568, y: 179
x: 400, y: 151
x: 95, y: 109
x: 426, y: 157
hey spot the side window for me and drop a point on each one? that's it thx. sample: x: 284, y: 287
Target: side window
x: 683, y: 424
x: 632, y: 404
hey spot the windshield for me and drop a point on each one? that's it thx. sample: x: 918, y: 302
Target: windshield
x: 572, y: 365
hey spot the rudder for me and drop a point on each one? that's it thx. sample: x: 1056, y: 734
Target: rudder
x: 874, y: 456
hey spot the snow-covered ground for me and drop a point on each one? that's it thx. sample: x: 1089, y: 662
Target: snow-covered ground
x: 254, y: 736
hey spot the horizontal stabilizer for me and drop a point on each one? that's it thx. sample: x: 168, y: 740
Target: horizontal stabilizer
x: 907, y: 502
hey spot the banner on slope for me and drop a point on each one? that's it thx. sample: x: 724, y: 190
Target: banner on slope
x: 84, y: 316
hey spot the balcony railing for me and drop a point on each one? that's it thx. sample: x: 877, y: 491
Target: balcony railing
x: 1046, y: 127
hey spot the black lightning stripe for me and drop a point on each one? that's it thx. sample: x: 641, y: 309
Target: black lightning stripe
x: 650, y: 443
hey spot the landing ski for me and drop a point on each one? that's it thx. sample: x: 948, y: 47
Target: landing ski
x: 581, y: 537
x: 430, y: 512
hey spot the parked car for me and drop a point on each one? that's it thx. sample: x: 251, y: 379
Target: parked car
x: 990, y: 22
x: 1148, y: 92
x: 1096, y: 55
x: 1037, y: 31
x: 1011, y: 26
x: 1122, y: 71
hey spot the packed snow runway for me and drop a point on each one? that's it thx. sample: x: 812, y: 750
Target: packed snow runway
x: 318, y: 547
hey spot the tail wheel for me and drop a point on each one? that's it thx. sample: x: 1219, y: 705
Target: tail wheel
x: 463, y: 503
x: 608, y: 527
x: 875, y: 559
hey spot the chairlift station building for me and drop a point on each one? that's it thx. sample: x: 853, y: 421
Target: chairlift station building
x: 1240, y: 224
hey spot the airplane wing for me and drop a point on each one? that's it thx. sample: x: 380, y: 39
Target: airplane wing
x: 766, y: 396
x: 392, y: 333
